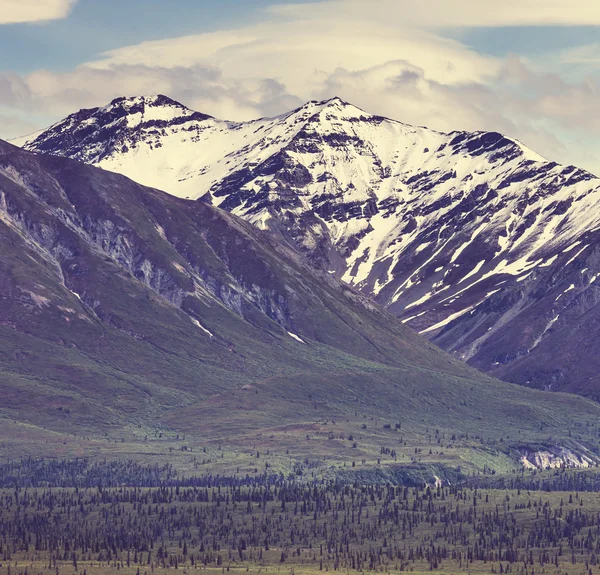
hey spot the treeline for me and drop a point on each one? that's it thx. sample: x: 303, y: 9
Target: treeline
x: 324, y: 527
x: 82, y: 473
x: 561, y: 479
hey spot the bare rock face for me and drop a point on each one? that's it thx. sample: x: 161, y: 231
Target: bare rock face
x: 469, y: 238
x: 555, y: 458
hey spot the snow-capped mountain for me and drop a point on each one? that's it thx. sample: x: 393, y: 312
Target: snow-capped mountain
x: 471, y: 238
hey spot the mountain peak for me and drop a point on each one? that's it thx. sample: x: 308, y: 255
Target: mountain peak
x: 90, y: 135
x: 154, y: 107
x: 335, y: 106
x: 335, y: 101
x: 149, y: 101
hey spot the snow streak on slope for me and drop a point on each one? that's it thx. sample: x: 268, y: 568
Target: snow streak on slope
x: 459, y: 234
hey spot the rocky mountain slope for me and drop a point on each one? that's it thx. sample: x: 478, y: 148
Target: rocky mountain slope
x: 470, y: 238
x: 136, y: 323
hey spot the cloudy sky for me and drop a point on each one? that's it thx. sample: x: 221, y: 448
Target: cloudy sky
x: 527, y: 68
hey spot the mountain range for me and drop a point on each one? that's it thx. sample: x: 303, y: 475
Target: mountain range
x: 471, y: 239
x: 137, y: 324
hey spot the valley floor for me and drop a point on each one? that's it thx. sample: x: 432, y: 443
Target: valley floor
x: 288, y: 528
x: 449, y: 568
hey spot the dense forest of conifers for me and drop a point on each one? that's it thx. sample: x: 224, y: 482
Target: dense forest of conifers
x: 272, y: 523
x: 551, y: 480
x: 31, y: 472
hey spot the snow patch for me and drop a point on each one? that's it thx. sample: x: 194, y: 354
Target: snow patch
x: 414, y: 317
x: 419, y: 301
x: 473, y: 272
x: 448, y: 320
x: 161, y: 231
x: 576, y: 256
x: 571, y: 247
x: 296, y: 337
x: 549, y: 262
x: 198, y: 324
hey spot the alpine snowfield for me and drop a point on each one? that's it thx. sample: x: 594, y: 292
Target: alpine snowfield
x: 471, y: 238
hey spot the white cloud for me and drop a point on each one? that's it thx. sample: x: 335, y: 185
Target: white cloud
x: 587, y: 54
x: 20, y: 11
x: 383, y: 56
x: 455, y: 13
x: 309, y: 48
x: 14, y: 126
x: 260, y: 69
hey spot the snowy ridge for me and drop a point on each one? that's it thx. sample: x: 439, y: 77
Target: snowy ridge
x: 460, y: 234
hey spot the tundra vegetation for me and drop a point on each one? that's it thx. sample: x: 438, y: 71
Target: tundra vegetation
x: 528, y: 523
